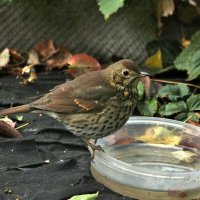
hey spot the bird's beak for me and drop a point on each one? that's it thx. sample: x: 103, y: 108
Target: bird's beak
x: 143, y: 74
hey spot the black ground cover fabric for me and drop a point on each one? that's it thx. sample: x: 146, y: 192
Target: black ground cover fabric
x: 48, y: 163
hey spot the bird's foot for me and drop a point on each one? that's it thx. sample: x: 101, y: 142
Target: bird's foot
x: 93, y: 147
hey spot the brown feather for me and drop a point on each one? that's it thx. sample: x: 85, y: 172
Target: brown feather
x: 17, y: 109
x: 78, y: 95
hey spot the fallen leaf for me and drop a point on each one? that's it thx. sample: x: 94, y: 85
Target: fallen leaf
x: 194, y: 122
x: 4, y: 57
x: 59, y: 59
x: 82, y: 63
x: 186, y: 156
x: 159, y: 135
x: 155, y: 61
x: 8, y: 121
x: 85, y: 197
x: 17, y: 59
x: 7, y: 128
x: 33, y: 58
x: 45, y: 50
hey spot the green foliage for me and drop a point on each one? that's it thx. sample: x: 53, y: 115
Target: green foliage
x: 172, y: 108
x: 140, y: 88
x: 173, y: 92
x: 185, y: 110
x: 189, y: 58
x: 148, y: 107
x: 184, y: 116
x: 85, y: 197
x: 193, y: 102
x: 4, y: 1
x: 108, y: 7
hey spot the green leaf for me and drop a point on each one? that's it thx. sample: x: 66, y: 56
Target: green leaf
x: 173, y: 92
x: 108, y: 7
x: 189, y: 58
x: 5, y: 1
x: 85, y: 197
x: 172, y: 108
x: 148, y: 107
x: 184, y: 116
x: 19, y: 117
x: 193, y: 102
x: 140, y: 88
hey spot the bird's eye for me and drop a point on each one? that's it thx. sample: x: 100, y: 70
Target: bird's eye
x: 125, y: 72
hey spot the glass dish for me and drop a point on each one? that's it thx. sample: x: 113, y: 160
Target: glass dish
x: 151, y: 158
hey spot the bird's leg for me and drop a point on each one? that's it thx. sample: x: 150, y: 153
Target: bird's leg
x: 92, y: 146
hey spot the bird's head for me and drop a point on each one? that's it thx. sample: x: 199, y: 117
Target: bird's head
x: 123, y: 74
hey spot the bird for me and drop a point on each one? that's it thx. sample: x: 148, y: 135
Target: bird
x: 93, y: 105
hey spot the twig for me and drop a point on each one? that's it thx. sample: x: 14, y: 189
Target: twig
x: 50, y: 56
x: 22, y: 126
x: 174, y: 82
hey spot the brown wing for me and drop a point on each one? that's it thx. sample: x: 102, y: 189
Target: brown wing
x: 79, y: 95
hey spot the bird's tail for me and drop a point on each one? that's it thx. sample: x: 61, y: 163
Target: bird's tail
x: 17, y: 109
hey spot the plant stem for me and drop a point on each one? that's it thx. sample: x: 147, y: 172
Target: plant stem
x: 174, y: 82
x: 22, y: 126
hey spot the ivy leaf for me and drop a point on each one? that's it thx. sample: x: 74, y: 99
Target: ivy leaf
x: 173, y: 92
x: 193, y: 102
x: 85, y: 197
x: 172, y: 108
x: 189, y: 58
x: 140, y: 88
x: 148, y: 107
x: 108, y: 7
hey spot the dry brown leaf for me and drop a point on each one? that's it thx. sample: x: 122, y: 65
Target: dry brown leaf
x: 82, y: 63
x: 59, y: 59
x: 45, y: 50
x: 33, y: 58
x: 8, y: 121
x: 4, y: 57
x: 7, y: 128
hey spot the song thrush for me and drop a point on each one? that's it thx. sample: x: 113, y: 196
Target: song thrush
x: 94, y: 104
